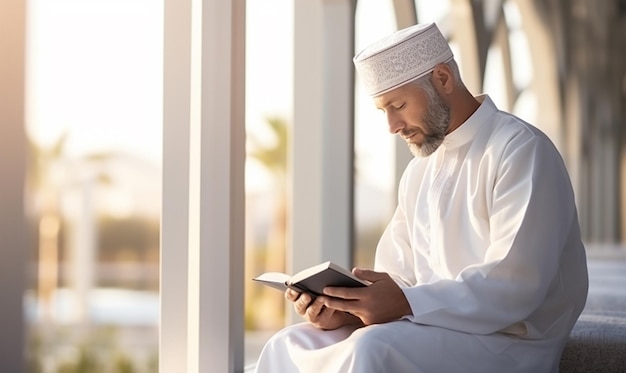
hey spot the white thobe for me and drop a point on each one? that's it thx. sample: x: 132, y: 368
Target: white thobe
x: 485, y: 244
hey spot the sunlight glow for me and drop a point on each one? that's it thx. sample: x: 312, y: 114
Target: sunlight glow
x: 91, y: 72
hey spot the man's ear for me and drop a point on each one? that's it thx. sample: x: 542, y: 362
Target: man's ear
x: 443, y: 79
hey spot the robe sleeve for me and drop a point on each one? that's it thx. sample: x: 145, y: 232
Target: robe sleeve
x: 531, y: 217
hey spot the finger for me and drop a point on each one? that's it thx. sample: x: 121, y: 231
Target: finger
x: 291, y: 295
x: 325, y: 311
x: 314, y: 309
x: 340, y: 304
x: 344, y: 293
x: 369, y: 275
x: 302, y: 303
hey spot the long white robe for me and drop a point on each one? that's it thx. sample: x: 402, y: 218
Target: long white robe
x: 486, y: 245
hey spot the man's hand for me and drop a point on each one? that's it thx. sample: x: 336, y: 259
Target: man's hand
x: 316, y: 313
x: 378, y: 303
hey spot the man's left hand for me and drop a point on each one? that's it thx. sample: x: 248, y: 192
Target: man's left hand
x: 382, y: 301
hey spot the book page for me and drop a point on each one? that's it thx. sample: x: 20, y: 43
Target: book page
x: 276, y: 280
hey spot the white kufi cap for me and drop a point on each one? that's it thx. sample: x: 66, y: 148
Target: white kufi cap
x: 401, y: 57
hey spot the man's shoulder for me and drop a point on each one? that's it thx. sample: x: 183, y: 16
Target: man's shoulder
x: 507, y: 124
x: 510, y: 129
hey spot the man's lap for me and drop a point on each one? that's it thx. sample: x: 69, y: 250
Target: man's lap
x: 399, y: 346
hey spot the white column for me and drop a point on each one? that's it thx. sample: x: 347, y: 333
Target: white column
x: 402, y: 158
x: 175, y: 186
x: 12, y: 171
x: 84, y: 251
x: 573, y: 143
x: 545, y: 83
x: 405, y: 13
x: 322, y: 149
x: 203, y: 187
x: 464, y: 35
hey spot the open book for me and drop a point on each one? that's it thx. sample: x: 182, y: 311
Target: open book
x: 313, y: 279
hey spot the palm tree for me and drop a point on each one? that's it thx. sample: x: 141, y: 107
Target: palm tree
x: 274, y: 158
x: 49, y: 174
x: 43, y: 185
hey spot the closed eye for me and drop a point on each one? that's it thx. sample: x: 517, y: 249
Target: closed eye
x: 393, y: 107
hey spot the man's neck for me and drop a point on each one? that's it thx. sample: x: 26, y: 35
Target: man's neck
x: 462, y: 106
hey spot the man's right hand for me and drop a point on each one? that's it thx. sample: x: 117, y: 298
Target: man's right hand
x: 316, y: 313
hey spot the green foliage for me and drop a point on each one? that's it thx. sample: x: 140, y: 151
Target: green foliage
x: 33, y: 354
x: 41, y: 158
x: 123, y: 364
x: 98, y: 351
x: 152, y: 365
x: 274, y: 157
x: 86, y: 362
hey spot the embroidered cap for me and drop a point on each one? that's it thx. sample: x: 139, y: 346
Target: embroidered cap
x: 401, y: 57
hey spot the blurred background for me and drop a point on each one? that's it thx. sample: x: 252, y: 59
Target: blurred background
x: 93, y: 173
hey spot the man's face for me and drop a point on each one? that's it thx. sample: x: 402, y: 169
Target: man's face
x: 421, y: 120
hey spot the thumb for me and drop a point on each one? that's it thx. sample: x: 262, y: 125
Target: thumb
x: 368, y: 275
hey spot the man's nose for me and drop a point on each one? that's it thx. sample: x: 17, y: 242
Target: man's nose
x: 396, y: 124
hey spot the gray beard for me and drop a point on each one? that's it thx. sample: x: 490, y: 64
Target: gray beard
x: 437, y: 120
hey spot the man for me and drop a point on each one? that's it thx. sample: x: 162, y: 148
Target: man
x: 481, y: 268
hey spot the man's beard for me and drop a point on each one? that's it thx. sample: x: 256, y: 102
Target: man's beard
x: 436, y: 121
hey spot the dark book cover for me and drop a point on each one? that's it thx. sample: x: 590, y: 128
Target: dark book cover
x: 312, y: 280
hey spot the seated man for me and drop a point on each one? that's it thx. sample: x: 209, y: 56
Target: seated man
x: 481, y: 268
